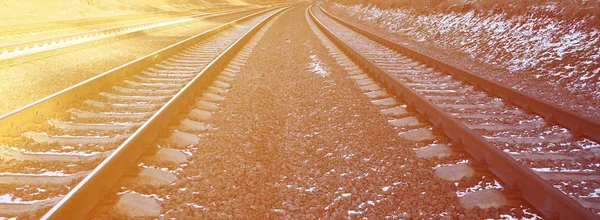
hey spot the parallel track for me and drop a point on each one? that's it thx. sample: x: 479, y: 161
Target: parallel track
x: 109, y: 120
x: 546, y: 154
x: 72, y: 151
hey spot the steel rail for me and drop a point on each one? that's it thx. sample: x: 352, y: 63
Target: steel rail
x: 535, y: 190
x: 87, y: 193
x: 6, y: 50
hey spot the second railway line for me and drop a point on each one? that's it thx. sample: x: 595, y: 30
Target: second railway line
x: 491, y: 127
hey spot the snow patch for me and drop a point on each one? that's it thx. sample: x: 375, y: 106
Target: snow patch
x: 317, y: 66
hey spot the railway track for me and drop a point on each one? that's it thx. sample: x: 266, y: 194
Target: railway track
x: 66, y: 150
x: 145, y: 196
x: 539, y: 152
x: 470, y: 183
x: 116, y: 145
x: 18, y: 53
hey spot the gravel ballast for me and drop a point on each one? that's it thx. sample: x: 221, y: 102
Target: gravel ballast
x: 296, y: 138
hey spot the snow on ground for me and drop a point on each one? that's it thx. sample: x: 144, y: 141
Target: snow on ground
x: 562, y: 53
x: 316, y: 66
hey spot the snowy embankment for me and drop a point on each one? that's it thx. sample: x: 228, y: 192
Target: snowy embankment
x: 533, y: 48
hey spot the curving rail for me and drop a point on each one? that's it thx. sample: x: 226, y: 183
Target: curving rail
x: 467, y: 108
